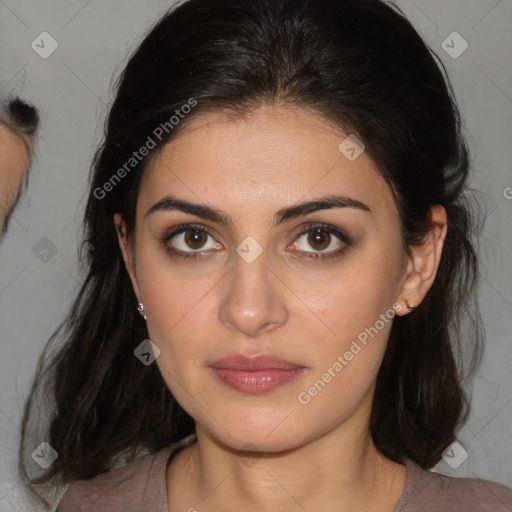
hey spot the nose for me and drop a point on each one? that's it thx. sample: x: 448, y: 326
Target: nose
x: 253, y: 298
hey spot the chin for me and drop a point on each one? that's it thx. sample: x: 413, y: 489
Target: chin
x: 258, y: 442
x: 266, y: 431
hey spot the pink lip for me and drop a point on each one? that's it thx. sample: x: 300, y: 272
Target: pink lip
x: 263, y: 362
x: 256, y: 375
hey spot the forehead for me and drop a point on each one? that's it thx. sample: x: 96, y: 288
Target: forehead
x: 273, y: 155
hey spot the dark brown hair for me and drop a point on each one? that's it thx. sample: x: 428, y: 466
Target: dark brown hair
x: 359, y: 63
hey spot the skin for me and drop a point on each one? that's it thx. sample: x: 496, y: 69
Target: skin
x: 317, y: 456
x: 15, y: 150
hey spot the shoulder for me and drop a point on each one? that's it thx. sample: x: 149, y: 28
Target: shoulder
x: 427, y: 491
x: 123, y: 489
x: 140, y: 485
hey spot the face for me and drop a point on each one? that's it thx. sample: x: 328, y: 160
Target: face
x: 14, y: 161
x: 313, y: 286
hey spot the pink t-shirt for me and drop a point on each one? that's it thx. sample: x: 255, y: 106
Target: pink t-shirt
x: 140, y: 487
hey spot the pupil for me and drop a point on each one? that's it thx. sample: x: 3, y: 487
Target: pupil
x: 319, y: 237
x: 195, y: 238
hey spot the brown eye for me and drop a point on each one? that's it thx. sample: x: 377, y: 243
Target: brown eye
x: 195, y: 238
x: 186, y: 240
x: 326, y: 241
x: 319, y: 239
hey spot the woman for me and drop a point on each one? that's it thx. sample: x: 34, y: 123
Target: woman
x: 279, y: 251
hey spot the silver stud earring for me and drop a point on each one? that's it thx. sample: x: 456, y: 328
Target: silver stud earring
x: 140, y: 308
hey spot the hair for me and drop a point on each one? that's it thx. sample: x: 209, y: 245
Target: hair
x: 21, y: 119
x: 360, y: 64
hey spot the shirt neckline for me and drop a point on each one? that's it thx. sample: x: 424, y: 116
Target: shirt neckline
x: 159, y: 492
x: 411, y: 475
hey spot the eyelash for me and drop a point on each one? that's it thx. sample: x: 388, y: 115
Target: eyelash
x: 326, y: 228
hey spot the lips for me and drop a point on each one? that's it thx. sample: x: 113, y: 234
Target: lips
x: 262, y: 362
x: 256, y: 375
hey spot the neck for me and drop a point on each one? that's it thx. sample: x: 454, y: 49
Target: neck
x: 341, y: 468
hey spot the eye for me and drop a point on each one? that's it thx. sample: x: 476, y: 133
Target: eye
x: 326, y: 241
x: 190, y: 239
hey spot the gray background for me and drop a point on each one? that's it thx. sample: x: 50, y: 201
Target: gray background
x: 72, y: 87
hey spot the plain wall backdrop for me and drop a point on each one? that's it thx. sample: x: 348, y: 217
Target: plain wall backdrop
x: 39, y: 274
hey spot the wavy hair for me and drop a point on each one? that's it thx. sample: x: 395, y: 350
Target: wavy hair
x: 362, y: 65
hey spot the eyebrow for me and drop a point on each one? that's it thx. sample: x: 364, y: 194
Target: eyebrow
x: 169, y: 203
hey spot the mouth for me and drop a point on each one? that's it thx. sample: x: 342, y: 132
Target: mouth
x: 256, y: 375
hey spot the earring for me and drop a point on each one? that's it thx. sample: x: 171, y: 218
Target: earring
x: 140, y: 308
x: 409, y: 307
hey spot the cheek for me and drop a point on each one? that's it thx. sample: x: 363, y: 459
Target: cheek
x: 176, y: 305
x: 178, y: 316
x: 342, y: 302
x: 12, y: 172
x: 179, y: 307
x: 348, y: 356
x: 349, y: 331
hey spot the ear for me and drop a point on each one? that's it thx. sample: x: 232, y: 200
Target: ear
x: 126, y: 249
x: 423, y: 262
